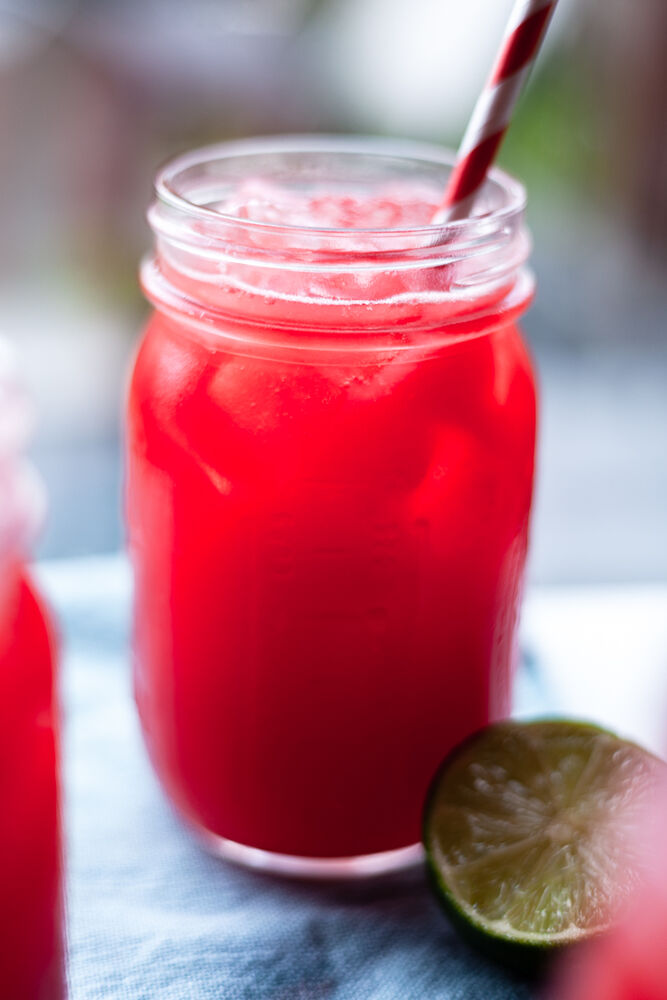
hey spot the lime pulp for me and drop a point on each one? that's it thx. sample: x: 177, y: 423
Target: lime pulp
x: 531, y: 833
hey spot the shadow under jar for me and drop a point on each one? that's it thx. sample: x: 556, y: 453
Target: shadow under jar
x: 331, y: 435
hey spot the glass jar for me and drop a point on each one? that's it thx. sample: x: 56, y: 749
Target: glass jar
x: 331, y: 434
x: 31, y: 954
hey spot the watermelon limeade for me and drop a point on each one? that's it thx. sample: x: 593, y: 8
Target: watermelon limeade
x: 31, y: 944
x: 330, y: 461
x: 30, y: 887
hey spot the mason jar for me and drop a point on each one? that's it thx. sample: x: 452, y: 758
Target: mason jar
x: 31, y: 953
x: 331, y: 435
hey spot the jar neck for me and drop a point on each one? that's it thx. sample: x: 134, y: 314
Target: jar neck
x: 22, y: 500
x: 214, y: 269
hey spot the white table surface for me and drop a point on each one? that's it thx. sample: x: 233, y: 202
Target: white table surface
x: 601, y: 654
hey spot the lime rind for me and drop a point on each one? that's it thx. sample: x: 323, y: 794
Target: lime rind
x: 522, y: 834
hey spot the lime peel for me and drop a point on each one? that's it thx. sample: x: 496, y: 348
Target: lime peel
x: 530, y: 832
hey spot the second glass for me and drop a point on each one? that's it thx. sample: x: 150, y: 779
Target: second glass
x: 31, y: 897
x: 330, y: 467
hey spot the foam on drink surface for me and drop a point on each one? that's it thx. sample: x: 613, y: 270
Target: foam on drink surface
x: 338, y: 240
x: 346, y: 257
x: 398, y: 206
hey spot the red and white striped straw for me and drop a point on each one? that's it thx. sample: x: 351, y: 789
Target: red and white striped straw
x: 493, y: 111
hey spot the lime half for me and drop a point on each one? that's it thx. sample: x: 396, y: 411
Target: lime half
x: 531, y: 837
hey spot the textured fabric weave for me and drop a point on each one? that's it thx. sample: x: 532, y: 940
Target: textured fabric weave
x: 153, y: 917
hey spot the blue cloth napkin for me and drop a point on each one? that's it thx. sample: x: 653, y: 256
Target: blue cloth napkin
x: 153, y: 917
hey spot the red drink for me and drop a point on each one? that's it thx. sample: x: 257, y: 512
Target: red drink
x: 331, y: 440
x: 31, y: 954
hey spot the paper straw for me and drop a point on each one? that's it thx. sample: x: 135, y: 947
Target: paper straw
x: 493, y: 111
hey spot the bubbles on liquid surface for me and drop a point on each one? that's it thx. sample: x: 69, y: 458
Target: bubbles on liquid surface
x: 397, y: 206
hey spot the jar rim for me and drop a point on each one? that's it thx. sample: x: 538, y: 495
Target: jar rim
x: 221, y: 267
x: 509, y: 193
x: 16, y: 417
x: 22, y: 500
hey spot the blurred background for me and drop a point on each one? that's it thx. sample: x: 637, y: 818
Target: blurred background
x: 95, y: 93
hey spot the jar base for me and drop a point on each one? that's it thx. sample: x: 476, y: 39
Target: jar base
x: 294, y: 866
